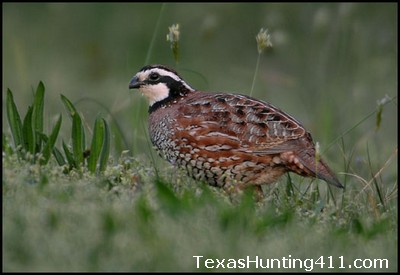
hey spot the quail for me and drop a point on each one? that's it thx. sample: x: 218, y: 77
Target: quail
x: 225, y: 139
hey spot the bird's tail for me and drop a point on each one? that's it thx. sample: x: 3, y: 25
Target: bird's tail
x: 318, y: 167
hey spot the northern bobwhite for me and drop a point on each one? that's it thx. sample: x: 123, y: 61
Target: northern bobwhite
x: 222, y: 138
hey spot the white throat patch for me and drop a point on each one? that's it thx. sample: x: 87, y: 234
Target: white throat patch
x: 155, y: 93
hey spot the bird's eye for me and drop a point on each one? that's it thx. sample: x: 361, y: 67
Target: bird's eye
x: 154, y: 76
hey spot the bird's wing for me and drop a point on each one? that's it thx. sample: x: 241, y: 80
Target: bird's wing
x: 242, y: 122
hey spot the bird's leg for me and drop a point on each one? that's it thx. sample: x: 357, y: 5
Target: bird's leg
x: 235, y: 191
x: 258, y: 193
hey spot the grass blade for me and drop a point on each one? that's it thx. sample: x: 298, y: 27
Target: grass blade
x: 78, y: 139
x: 68, y: 105
x: 168, y: 199
x: 374, y: 180
x: 155, y: 34
x: 48, y: 147
x: 7, y: 148
x: 37, y: 115
x: 59, y: 157
x: 105, y: 150
x: 14, y: 120
x: 28, y: 133
x: 68, y: 155
x: 97, y: 142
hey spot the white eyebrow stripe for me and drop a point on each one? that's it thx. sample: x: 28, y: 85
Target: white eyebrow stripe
x: 145, y: 74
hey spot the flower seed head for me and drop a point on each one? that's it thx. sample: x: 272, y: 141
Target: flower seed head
x: 173, y: 37
x: 263, y: 40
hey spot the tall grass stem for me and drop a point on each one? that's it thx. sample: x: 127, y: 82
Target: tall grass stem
x: 153, y: 39
x: 255, y: 74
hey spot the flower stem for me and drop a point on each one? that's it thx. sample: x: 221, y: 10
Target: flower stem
x: 150, y: 50
x: 255, y: 74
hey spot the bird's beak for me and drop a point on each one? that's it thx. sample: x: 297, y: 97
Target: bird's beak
x: 135, y: 83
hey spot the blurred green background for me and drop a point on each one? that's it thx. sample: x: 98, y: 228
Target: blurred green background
x: 329, y: 66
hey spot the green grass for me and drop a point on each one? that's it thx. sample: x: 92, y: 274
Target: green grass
x: 333, y: 66
x: 128, y: 220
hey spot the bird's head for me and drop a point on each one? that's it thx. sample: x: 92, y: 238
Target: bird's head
x: 159, y: 84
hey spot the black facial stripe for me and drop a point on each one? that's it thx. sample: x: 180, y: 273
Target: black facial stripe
x: 171, y: 83
x: 174, y: 85
x: 176, y: 90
